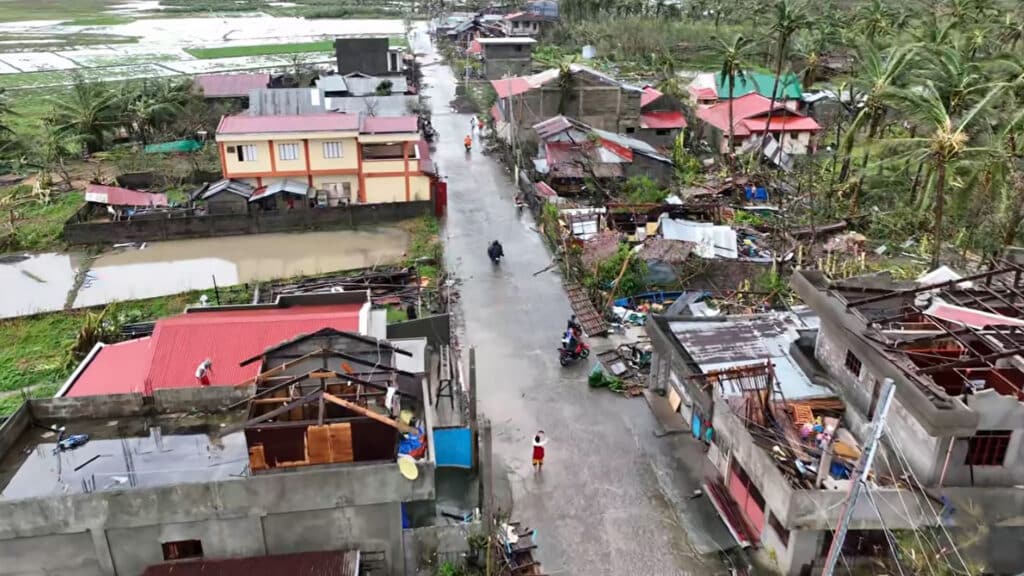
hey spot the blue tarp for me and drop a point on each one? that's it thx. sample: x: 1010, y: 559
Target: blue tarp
x: 453, y: 447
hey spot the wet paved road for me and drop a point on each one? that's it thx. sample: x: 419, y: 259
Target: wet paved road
x: 612, y: 498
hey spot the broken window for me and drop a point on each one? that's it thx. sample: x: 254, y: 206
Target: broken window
x: 988, y: 447
x: 780, y: 531
x: 391, y: 151
x: 853, y: 363
x: 182, y: 549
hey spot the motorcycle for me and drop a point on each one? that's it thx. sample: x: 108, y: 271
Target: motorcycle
x: 495, y: 253
x: 567, y: 356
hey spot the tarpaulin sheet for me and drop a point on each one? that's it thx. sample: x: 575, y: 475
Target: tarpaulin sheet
x: 453, y: 447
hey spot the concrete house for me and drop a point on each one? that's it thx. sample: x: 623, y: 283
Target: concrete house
x: 709, y: 88
x: 571, y: 152
x: 754, y: 387
x: 525, y: 24
x: 661, y: 119
x: 289, y: 449
x: 356, y: 159
x: 506, y: 56
x: 750, y: 124
x: 954, y: 351
x: 372, y: 56
x: 592, y: 97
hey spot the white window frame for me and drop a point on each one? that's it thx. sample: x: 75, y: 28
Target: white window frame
x: 333, y: 150
x: 288, y: 151
x: 248, y: 152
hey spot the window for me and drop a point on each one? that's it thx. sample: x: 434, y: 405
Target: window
x: 661, y: 132
x: 781, y: 532
x: 515, y: 24
x: 246, y: 153
x: 332, y: 149
x: 182, y: 549
x: 852, y: 363
x: 630, y: 130
x: 391, y: 151
x: 988, y: 447
x: 287, y: 151
x: 519, y: 48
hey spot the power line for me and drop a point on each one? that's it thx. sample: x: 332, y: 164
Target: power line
x: 889, y: 538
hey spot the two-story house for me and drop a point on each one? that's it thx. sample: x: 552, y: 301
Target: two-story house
x: 364, y: 160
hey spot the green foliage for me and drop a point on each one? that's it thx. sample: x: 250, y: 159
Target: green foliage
x: 687, y: 167
x: 643, y: 190
x: 101, y: 20
x: 261, y: 49
x: 38, y: 225
x: 11, y: 402
x: 425, y: 250
x: 748, y: 218
x: 633, y: 280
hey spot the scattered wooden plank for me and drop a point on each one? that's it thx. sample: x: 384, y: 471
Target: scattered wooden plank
x: 404, y: 428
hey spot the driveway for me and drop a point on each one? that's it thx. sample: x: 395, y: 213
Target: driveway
x: 612, y: 498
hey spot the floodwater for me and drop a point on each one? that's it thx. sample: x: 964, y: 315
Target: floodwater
x: 35, y: 283
x: 164, y: 268
x: 44, y: 282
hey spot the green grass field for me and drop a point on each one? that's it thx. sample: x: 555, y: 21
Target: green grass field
x: 14, y: 10
x: 99, y: 20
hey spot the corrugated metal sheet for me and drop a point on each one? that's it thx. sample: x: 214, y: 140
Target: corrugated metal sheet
x: 710, y: 241
x: 288, y: 123
x: 302, y: 564
x: 285, y: 102
x: 289, y: 186
x: 719, y: 345
x: 453, y: 447
x: 236, y: 187
x: 394, y: 105
x: 230, y: 85
x: 592, y: 322
x: 367, y: 85
x: 114, y: 196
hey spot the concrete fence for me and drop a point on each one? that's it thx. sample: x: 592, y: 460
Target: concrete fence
x: 193, y: 226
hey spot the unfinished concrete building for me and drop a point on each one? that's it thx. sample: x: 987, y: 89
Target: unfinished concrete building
x: 303, y: 456
x: 786, y: 430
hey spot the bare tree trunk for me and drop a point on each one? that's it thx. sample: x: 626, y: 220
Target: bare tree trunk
x: 775, y: 92
x: 940, y: 193
x: 732, y: 77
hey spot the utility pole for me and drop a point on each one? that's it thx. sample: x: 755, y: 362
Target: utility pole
x: 512, y: 131
x: 860, y: 480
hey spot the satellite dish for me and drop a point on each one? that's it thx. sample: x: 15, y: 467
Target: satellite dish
x: 407, y: 466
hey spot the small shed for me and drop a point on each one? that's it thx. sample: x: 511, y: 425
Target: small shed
x: 283, y: 195
x: 224, y: 196
x: 120, y: 203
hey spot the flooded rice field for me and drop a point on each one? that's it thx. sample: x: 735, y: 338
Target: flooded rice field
x: 45, y: 282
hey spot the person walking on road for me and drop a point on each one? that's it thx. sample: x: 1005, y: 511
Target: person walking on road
x: 539, y: 441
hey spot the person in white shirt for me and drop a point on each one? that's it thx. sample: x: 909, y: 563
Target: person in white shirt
x: 203, y: 372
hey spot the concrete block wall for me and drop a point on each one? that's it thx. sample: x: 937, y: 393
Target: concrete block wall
x: 204, y: 399
x: 110, y: 406
x: 340, y: 217
x: 319, y: 508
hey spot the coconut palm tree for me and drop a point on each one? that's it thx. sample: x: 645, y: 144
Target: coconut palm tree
x: 946, y: 145
x: 734, y: 64
x: 788, y: 17
x: 880, y: 74
x: 87, y: 111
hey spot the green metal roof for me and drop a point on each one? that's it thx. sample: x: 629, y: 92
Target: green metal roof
x: 789, y: 85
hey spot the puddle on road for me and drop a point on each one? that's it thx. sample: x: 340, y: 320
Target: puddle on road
x: 164, y: 268
x: 35, y: 283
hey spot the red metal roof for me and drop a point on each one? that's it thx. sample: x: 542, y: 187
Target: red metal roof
x: 230, y: 85
x: 650, y: 95
x: 544, y: 190
x: 511, y: 86
x: 121, y: 362
x: 293, y: 123
x: 662, y: 120
x: 745, y: 108
x: 302, y: 564
x: 787, y: 123
x: 389, y: 125
x: 122, y: 196
x: 226, y: 337
x: 426, y: 162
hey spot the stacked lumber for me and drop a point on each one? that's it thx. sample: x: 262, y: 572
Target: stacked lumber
x: 318, y: 448
x: 257, y: 459
x: 340, y: 442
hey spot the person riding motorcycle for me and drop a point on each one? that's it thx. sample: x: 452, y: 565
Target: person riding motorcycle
x: 573, y: 338
x: 468, y: 142
x: 495, y: 251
